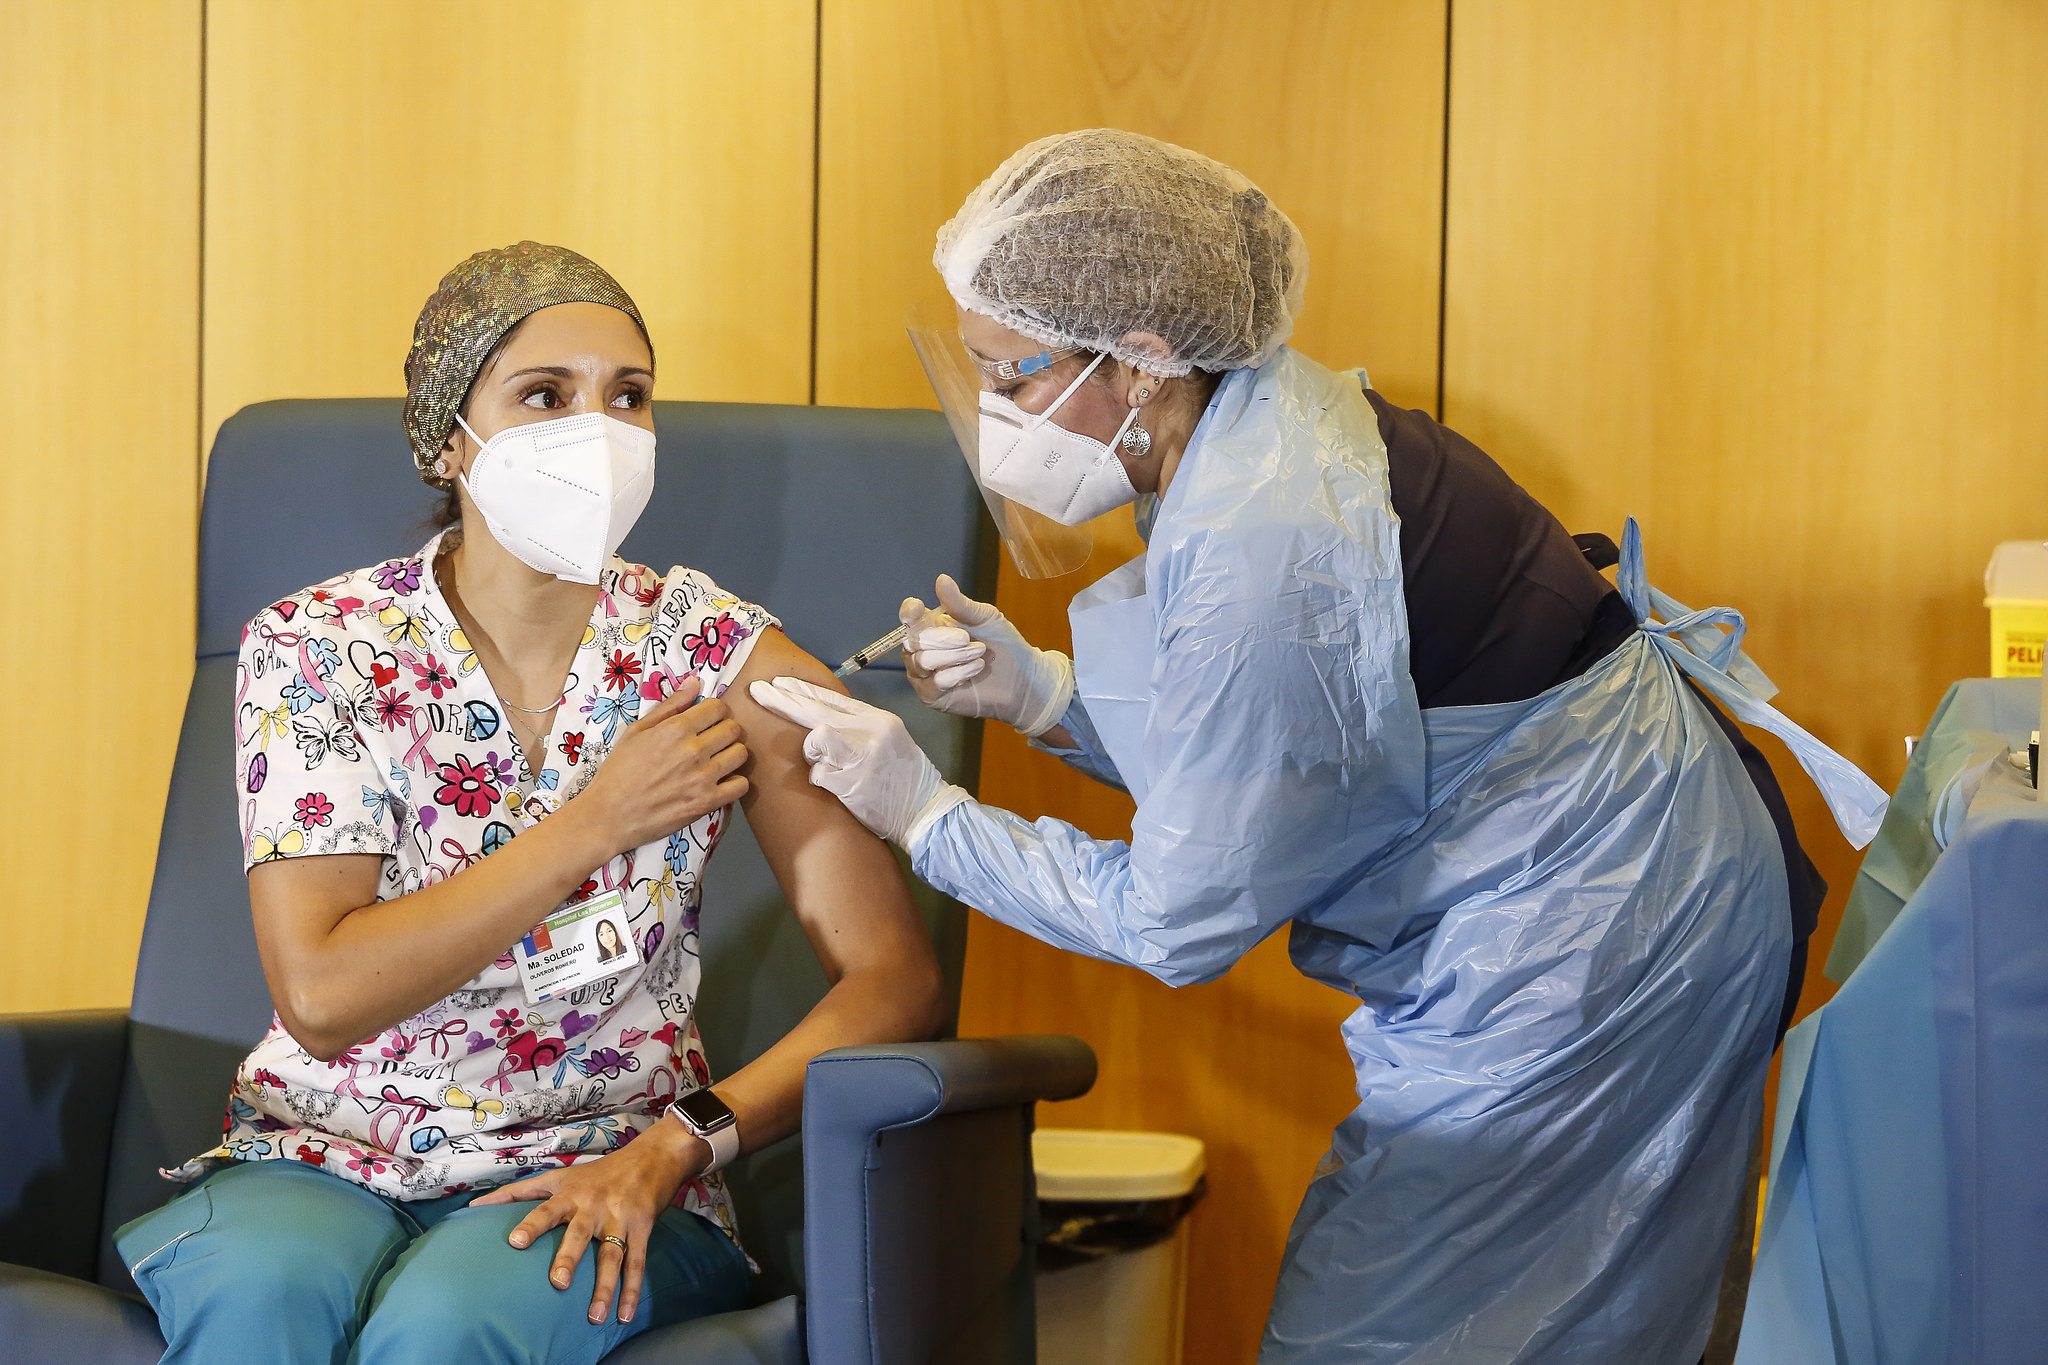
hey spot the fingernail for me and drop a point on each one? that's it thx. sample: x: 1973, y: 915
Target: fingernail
x: 561, y: 1279
x: 518, y: 1239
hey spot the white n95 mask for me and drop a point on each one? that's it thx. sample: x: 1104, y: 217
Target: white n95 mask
x: 561, y: 494
x: 1034, y: 460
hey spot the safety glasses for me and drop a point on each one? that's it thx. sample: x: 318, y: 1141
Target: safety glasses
x: 1003, y: 371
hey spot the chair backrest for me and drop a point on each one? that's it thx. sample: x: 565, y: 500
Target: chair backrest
x: 827, y: 516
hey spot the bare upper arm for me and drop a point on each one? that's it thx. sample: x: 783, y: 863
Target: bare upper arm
x: 844, y: 883
x: 297, y: 902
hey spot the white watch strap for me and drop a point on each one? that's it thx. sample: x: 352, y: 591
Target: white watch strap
x: 725, y: 1147
x: 723, y: 1142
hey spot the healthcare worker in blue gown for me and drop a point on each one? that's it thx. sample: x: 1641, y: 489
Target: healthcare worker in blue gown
x: 1362, y: 685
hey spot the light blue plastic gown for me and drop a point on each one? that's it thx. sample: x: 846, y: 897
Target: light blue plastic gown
x: 1565, y: 919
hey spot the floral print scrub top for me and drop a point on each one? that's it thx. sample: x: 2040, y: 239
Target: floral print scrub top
x: 365, y: 725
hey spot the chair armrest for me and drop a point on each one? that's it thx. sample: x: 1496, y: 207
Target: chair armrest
x: 865, y: 1090
x: 60, y: 1076
x: 920, y: 1209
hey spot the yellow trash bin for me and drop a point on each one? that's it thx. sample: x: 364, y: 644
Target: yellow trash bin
x: 2016, y: 590
x: 1113, y: 1249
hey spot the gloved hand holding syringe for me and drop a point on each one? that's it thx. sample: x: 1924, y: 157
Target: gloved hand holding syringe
x: 966, y: 659
x: 912, y: 614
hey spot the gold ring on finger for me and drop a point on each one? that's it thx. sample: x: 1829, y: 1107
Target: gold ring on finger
x: 614, y: 1239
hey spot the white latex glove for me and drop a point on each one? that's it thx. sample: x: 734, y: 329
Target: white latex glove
x: 864, y: 756
x: 966, y: 659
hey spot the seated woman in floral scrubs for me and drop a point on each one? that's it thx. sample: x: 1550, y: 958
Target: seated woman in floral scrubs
x: 446, y: 762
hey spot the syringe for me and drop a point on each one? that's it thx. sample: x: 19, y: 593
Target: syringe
x: 863, y: 657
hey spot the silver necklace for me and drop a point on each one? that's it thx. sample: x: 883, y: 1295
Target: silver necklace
x: 529, y: 710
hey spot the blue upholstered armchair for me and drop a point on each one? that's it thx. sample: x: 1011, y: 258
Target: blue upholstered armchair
x: 897, y: 1227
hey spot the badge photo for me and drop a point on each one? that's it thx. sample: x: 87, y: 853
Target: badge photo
x: 575, y: 946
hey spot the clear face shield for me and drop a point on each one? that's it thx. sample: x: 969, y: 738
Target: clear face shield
x: 1047, y: 488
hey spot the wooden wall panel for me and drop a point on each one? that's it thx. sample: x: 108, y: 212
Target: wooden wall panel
x: 99, y: 254
x: 1770, y: 277
x: 356, y: 152
x: 1336, y: 110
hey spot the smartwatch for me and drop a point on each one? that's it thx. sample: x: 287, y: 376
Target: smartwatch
x: 711, y: 1119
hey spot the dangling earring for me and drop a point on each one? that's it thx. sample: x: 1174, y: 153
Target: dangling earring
x: 1136, y: 442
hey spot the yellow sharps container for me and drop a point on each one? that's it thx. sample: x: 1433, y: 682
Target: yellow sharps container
x: 2016, y: 590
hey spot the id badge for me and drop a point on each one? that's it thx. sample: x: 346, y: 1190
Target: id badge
x: 578, y: 944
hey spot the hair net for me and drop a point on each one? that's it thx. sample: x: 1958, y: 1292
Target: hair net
x: 1083, y: 237
x: 470, y: 312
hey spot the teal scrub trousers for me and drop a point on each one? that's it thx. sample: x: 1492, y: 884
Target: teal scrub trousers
x: 279, y: 1261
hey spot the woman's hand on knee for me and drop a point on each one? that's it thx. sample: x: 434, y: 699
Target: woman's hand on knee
x: 617, y: 1196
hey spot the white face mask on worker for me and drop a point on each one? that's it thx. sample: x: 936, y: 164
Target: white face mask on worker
x: 561, y: 495
x: 1034, y: 460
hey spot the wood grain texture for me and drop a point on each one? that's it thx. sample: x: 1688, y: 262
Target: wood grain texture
x: 1335, y: 109
x: 99, y: 251
x: 356, y: 152
x: 1770, y: 277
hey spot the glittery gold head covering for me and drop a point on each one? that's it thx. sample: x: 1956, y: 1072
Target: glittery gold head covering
x: 476, y: 304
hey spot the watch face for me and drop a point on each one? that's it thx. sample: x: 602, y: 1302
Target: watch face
x: 704, y: 1111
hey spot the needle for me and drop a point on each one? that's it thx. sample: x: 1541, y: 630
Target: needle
x: 863, y: 657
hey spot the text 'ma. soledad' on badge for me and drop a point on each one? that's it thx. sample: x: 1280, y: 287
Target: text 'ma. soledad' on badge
x: 576, y: 945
